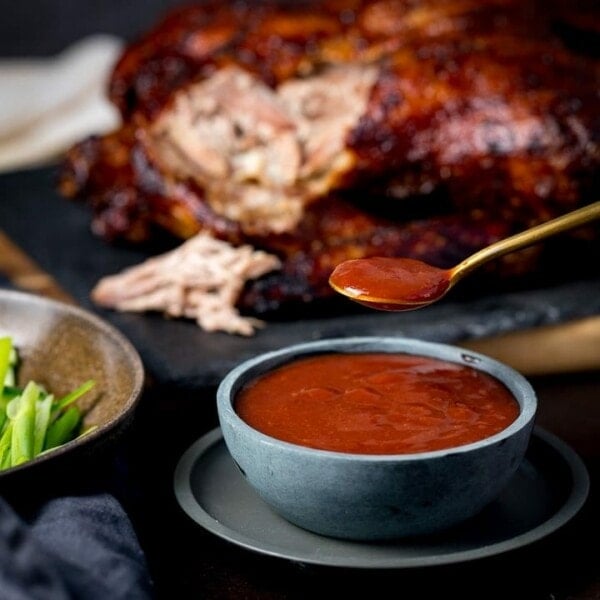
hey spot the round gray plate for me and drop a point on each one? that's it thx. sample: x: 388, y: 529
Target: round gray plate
x: 549, y: 489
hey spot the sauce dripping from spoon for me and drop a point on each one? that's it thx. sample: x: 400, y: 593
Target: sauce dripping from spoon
x: 398, y: 284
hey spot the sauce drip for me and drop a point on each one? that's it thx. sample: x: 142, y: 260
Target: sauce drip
x: 377, y: 403
x: 390, y: 283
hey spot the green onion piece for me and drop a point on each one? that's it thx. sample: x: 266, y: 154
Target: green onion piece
x: 42, y: 420
x: 89, y: 430
x: 13, y: 407
x: 10, y: 391
x: 11, y: 376
x: 63, y: 429
x: 5, y: 351
x: 8, y: 395
x: 31, y: 420
x: 24, y: 425
x: 5, y: 457
x: 75, y: 394
x: 3, y: 404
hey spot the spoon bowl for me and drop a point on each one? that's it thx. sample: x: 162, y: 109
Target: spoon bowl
x: 400, y: 284
x: 392, y: 284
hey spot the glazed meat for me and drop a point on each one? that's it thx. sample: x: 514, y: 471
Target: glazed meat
x: 321, y: 131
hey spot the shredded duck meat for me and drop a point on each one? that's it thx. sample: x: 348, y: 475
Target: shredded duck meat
x: 201, y: 280
x: 262, y: 154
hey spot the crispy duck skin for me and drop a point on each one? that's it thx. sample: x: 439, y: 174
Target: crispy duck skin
x: 335, y: 230
x: 231, y: 126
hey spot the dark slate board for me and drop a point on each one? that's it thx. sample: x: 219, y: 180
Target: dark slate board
x: 55, y: 232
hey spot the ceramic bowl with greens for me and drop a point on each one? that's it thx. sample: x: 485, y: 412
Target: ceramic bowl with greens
x: 69, y: 382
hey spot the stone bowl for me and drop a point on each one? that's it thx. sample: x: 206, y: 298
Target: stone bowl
x: 60, y: 347
x: 375, y: 497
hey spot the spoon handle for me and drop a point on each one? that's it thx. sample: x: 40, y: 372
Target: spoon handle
x: 528, y: 237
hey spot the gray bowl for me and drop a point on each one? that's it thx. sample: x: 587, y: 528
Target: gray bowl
x: 375, y: 497
x: 60, y: 347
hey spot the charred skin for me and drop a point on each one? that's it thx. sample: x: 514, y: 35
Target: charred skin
x: 335, y: 230
x: 479, y: 102
x: 130, y: 197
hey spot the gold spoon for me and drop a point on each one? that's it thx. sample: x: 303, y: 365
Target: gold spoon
x: 406, y: 284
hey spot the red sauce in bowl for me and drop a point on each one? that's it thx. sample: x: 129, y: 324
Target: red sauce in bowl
x: 377, y: 403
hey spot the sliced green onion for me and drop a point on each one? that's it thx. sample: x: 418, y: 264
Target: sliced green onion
x: 11, y: 378
x: 32, y: 422
x: 5, y: 365
x: 42, y: 420
x: 13, y: 407
x: 3, y: 405
x: 75, y: 394
x: 24, y: 425
x: 5, y: 443
x: 10, y: 391
x: 64, y: 429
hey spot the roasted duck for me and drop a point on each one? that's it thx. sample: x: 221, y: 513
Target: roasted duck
x: 321, y: 131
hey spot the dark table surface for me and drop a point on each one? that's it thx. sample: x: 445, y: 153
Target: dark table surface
x: 189, y: 562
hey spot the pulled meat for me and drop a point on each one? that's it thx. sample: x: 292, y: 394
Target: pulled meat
x: 200, y: 280
x: 262, y: 154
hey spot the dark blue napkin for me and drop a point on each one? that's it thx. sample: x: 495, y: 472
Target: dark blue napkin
x: 72, y: 547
